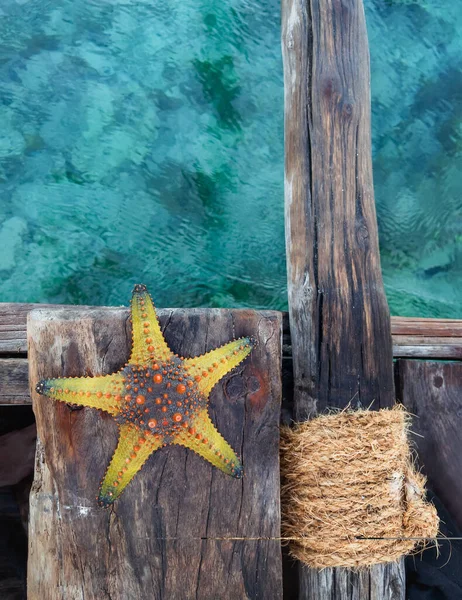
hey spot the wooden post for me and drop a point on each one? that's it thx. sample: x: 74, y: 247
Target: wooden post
x: 182, y: 529
x: 339, y: 319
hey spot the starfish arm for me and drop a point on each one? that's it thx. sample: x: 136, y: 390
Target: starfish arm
x: 133, y: 450
x: 204, y: 439
x: 209, y: 368
x: 149, y: 344
x: 104, y: 392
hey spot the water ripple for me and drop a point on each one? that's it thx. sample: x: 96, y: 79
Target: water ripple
x: 143, y: 141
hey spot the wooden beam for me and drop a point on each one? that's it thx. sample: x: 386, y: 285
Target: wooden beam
x: 418, y: 346
x: 439, y: 328
x: 13, y: 320
x: 182, y: 529
x: 14, y: 381
x: 410, y: 335
x: 339, y: 319
x: 431, y: 391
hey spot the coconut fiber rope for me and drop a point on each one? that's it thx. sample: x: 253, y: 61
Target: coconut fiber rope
x: 351, y: 495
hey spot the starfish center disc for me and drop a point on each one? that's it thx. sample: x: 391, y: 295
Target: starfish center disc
x: 160, y: 400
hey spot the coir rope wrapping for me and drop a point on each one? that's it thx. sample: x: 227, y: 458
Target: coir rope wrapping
x: 351, y: 495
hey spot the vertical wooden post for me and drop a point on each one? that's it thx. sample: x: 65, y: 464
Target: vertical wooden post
x: 339, y: 318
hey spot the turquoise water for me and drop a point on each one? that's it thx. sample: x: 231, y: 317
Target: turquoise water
x: 416, y: 70
x: 143, y: 142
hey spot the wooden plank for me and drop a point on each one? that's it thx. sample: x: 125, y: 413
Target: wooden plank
x: 413, y: 346
x: 339, y: 319
x: 14, y: 385
x: 14, y: 381
x: 344, y: 583
x: 432, y: 392
x: 13, y: 318
x: 414, y: 326
x: 447, y: 333
x: 172, y: 534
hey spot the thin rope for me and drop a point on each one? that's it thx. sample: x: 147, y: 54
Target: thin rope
x: 291, y: 539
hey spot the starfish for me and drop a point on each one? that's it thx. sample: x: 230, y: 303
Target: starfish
x: 157, y: 399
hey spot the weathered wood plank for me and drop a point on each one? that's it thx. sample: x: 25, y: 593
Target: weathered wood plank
x: 413, y: 326
x: 13, y: 320
x: 339, y: 319
x: 14, y: 386
x: 171, y: 535
x: 344, y: 583
x: 13, y: 339
x: 432, y: 392
x: 14, y: 381
x: 417, y: 346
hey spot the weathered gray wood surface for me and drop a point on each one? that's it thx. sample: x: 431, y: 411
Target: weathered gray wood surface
x: 339, y: 319
x: 432, y: 392
x: 164, y: 538
x: 413, y: 346
x: 14, y: 381
x: 13, y: 319
x: 426, y: 338
x: 386, y: 582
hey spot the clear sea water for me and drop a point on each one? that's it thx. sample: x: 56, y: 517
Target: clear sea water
x: 142, y: 141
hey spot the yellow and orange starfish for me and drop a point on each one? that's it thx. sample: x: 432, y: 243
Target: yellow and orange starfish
x: 157, y: 399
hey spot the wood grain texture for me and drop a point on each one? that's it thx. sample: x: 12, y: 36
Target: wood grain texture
x: 418, y: 346
x: 339, y: 318
x: 13, y: 319
x: 432, y: 392
x: 14, y: 381
x: 342, y: 347
x: 164, y: 538
x: 439, y: 328
x: 343, y: 583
